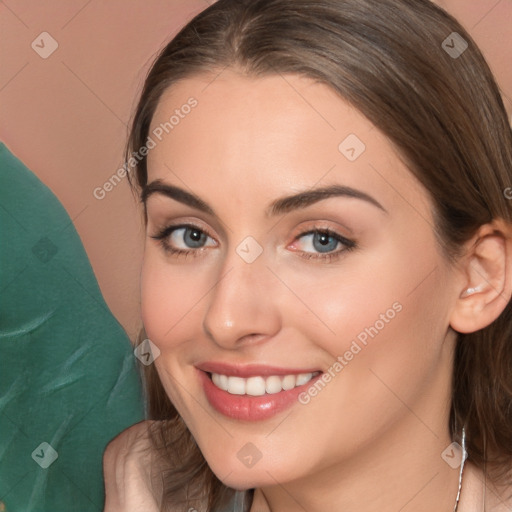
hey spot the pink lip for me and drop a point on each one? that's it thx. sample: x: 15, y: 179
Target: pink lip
x: 251, y: 370
x: 251, y: 408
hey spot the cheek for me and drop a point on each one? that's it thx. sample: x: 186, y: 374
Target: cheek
x: 388, y: 323
x: 170, y: 309
x: 170, y: 296
x: 339, y: 302
x: 382, y: 308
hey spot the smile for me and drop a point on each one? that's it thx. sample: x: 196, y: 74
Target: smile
x: 255, y: 392
x: 258, y: 386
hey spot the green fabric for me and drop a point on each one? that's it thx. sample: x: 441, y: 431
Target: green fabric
x: 67, y: 370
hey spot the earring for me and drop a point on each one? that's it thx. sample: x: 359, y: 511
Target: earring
x: 471, y: 291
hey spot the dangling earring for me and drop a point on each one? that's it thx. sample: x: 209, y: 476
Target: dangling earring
x: 461, y: 468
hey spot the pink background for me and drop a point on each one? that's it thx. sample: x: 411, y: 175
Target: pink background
x: 66, y: 116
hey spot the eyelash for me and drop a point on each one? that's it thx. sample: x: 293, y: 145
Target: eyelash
x: 350, y: 245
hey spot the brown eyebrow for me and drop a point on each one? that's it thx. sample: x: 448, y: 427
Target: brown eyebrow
x: 309, y: 197
x: 277, y: 207
x: 176, y: 193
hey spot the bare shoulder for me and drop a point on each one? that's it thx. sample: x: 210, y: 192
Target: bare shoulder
x: 129, y: 471
x: 133, y: 441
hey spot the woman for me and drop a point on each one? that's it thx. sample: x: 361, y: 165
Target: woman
x: 328, y: 265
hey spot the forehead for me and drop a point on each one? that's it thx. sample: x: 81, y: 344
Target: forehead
x: 276, y: 131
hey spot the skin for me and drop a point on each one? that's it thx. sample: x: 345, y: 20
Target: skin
x: 372, y: 438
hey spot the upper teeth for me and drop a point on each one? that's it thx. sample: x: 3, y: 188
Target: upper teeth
x: 257, y: 386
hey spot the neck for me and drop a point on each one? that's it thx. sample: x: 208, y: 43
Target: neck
x: 403, y: 470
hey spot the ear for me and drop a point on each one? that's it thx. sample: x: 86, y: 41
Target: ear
x: 486, y: 278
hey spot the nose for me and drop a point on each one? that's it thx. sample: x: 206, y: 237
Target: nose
x: 242, y: 307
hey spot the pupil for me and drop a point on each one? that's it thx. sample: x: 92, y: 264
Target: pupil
x: 323, y: 242
x: 194, y: 238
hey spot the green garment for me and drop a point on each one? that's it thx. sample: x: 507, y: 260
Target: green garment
x: 68, y: 378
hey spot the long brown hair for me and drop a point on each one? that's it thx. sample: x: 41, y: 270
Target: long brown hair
x: 391, y: 60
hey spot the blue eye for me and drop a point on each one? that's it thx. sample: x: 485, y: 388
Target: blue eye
x: 322, y: 244
x: 183, y: 239
x: 191, y: 237
x: 187, y: 239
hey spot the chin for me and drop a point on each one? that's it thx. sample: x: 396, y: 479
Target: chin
x: 239, y: 477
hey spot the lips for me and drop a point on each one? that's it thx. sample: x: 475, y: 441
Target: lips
x: 241, y: 406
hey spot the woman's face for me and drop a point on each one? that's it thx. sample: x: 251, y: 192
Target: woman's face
x: 345, y: 279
